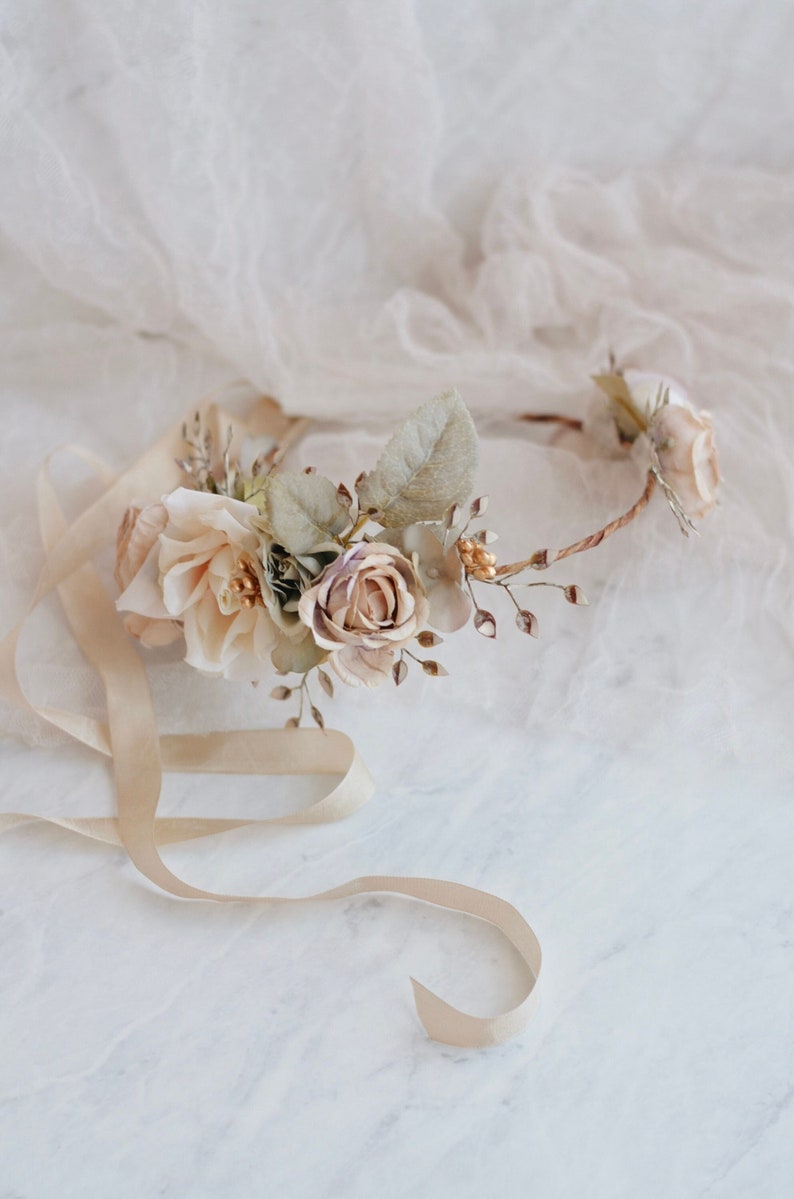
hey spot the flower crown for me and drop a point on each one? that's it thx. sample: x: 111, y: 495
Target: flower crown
x: 262, y: 569
x: 257, y: 566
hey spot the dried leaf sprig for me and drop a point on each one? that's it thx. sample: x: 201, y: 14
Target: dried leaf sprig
x: 219, y: 473
x: 197, y: 464
x: 481, y: 566
x: 305, y: 701
x: 427, y: 639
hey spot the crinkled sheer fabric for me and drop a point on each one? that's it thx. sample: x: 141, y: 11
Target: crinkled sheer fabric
x: 342, y: 204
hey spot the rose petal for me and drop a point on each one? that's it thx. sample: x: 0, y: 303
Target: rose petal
x: 450, y: 607
x: 363, y: 667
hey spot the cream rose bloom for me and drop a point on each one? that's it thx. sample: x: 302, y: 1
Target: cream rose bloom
x: 687, y: 455
x: 365, y: 605
x: 683, y: 440
x: 207, y: 548
x: 138, y: 540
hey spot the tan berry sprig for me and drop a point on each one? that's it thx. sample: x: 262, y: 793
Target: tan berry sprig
x: 245, y: 584
x: 477, y: 561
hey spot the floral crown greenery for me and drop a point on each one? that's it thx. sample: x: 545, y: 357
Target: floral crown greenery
x: 260, y: 568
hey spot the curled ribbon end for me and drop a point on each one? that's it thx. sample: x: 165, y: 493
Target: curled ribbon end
x: 449, y: 1025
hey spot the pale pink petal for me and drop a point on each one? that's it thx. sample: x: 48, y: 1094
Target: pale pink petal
x: 363, y: 667
x: 450, y: 607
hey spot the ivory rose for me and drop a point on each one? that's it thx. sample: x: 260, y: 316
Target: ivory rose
x: 687, y: 455
x: 138, y: 539
x: 365, y: 605
x: 683, y: 440
x: 209, y: 576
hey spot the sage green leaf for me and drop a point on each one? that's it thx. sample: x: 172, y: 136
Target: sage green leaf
x: 297, y: 655
x: 428, y: 464
x: 301, y: 511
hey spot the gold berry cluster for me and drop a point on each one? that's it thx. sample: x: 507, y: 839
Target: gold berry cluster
x: 476, y: 559
x: 246, y: 584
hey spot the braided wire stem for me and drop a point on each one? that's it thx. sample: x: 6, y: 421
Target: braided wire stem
x: 543, y: 558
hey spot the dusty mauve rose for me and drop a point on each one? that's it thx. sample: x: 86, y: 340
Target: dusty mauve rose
x: 208, y: 575
x: 441, y: 572
x: 684, y: 441
x: 138, y: 538
x: 366, y: 604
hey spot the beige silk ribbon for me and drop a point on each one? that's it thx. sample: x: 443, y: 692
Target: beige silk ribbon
x: 139, y: 754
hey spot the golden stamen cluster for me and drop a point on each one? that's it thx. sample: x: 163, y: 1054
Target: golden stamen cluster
x: 246, y: 584
x: 476, y: 559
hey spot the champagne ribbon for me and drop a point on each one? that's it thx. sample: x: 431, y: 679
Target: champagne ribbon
x: 139, y: 754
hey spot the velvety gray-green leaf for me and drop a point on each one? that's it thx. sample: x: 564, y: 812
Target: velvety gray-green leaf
x: 302, y: 511
x: 297, y: 655
x: 428, y: 464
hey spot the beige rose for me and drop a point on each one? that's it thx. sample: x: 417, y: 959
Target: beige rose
x: 441, y: 572
x: 209, y: 576
x: 687, y: 455
x: 366, y: 604
x: 138, y: 541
